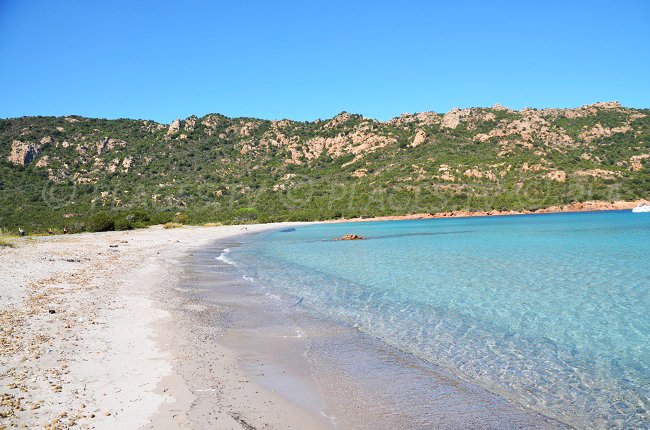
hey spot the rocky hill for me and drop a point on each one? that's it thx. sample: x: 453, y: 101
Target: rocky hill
x: 89, y: 173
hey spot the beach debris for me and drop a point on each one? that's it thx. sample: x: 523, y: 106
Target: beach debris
x: 113, y: 246
x: 241, y: 421
x: 52, y: 311
x: 350, y: 237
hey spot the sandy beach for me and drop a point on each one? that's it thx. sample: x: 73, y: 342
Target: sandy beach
x: 343, y: 216
x: 103, y: 331
x: 85, y: 343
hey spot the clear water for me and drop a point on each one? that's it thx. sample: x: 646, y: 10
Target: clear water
x: 551, y: 311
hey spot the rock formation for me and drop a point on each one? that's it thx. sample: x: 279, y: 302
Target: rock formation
x: 22, y: 153
x: 419, y: 139
x: 174, y: 127
x: 351, y: 237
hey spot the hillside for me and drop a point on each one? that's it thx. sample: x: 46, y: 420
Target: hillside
x: 94, y: 174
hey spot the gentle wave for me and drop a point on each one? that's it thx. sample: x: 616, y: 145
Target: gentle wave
x: 222, y: 257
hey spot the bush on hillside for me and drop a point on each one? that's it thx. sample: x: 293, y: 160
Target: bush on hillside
x: 102, y: 221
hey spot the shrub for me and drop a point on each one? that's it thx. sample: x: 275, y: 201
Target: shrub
x: 180, y: 218
x: 246, y: 214
x: 161, y: 218
x: 76, y: 227
x: 139, y: 217
x: 101, y: 221
x: 6, y: 242
x: 124, y: 223
x: 172, y: 225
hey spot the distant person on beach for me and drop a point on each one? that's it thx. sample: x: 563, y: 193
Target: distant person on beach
x: 21, y: 232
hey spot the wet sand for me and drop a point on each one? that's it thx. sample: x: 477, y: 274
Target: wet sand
x: 147, y: 329
x: 343, y: 377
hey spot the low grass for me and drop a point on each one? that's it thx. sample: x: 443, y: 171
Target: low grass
x: 172, y: 225
x: 212, y: 224
x: 7, y: 242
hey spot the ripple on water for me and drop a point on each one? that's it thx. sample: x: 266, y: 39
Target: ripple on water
x: 549, y: 310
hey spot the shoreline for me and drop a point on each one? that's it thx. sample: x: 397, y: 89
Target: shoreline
x: 109, y: 330
x: 587, y: 206
x: 87, y: 339
x: 288, y: 346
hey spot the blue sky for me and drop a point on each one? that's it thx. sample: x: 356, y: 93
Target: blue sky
x: 308, y: 59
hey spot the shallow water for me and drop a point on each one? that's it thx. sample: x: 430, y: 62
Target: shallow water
x: 341, y: 376
x: 550, y: 311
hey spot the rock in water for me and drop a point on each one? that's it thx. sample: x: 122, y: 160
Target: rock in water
x: 351, y: 237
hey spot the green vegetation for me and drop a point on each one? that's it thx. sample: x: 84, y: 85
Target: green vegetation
x: 97, y: 175
x: 172, y: 225
x: 6, y: 242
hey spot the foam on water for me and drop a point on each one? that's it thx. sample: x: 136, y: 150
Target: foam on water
x: 550, y: 311
x: 223, y: 257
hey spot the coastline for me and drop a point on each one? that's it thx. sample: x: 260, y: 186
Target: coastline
x: 135, y: 340
x: 587, y: 206
x: 338, y: 373
x: 87, y: 340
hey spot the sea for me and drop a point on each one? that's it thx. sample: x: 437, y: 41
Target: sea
x: 549, y: 311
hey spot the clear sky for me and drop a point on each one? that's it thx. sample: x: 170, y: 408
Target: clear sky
x: 312, y: 59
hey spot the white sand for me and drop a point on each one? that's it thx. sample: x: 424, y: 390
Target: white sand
x: 106, y: 356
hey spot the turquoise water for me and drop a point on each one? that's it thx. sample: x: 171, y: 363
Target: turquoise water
x: 547, y: 310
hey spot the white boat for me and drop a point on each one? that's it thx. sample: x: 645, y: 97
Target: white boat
x: 641, y: 207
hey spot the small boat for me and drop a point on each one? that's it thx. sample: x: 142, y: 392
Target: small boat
x: 642, y: 207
